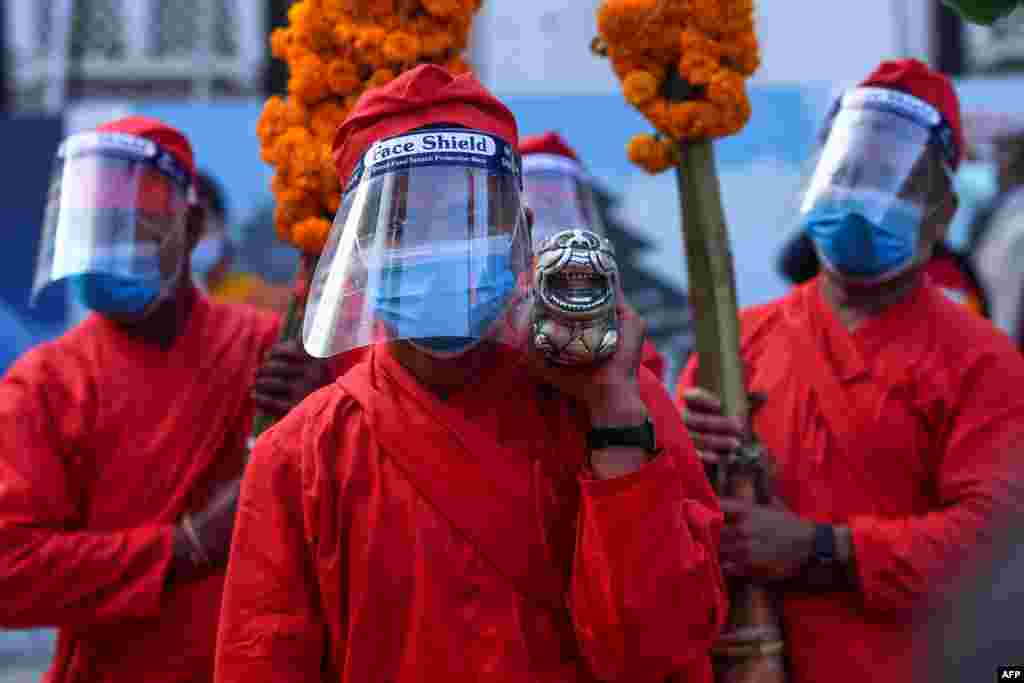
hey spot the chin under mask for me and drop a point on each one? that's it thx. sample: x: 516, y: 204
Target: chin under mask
x: 422, y: 303
x: 851, y: 244
x: 106, y: 293
x: 445, y: 346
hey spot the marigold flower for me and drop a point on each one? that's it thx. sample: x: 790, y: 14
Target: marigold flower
x: 640, y: 87
x: 326, y: 118
x: 401, y: 47
x: 273, y: 121
x: 308, y: 79
x: 342, y: 77
x: 310, y: 235
x: 651, y: 153
x: 281, y: 42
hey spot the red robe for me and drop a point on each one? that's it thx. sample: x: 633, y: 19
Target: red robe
x: 385, y: 535
x: 104, y: 442
x: 652, y: 360
x: 900, y: 431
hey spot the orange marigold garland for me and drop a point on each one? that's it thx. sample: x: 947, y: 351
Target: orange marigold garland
x: 709, y: 44
x: 335, y: 51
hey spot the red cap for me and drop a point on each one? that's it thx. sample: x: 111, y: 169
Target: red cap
x: 171, y: 140
x: 915, y: 78
x: 547, y: 143
x: 424, y: 95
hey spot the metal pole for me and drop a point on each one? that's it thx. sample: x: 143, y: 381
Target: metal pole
x: 61, y: 16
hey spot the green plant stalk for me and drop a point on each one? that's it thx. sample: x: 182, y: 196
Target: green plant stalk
x: 712, y: 280
x: 290, y: 329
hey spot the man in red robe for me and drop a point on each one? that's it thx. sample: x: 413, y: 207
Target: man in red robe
x: 122, y: 442
x: 893, y: 415
x: 556, y: 189
x: 453, y: 508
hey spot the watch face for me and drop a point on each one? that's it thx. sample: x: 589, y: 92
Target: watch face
x: 825, y: 544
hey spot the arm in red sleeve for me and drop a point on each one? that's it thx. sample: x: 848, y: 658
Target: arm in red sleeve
x: 648, y: 598
x: 900, y: 561
x: 687, y: 380
x: 270, y: 628
x: 50, y: 573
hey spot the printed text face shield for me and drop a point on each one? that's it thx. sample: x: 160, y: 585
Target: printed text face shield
x: 116, y: 208
x: 560, y: 197
x: 429, y: 246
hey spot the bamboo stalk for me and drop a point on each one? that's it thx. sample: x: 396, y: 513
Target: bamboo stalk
x: 291, y: 328
x: 751, y: 650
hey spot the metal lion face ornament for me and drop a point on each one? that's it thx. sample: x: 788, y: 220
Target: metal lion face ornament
x: 574, y: 282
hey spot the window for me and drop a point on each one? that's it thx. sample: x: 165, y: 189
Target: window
x: 213, y: 47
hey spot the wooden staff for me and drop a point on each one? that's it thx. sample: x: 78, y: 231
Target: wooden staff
x: 751, y: 650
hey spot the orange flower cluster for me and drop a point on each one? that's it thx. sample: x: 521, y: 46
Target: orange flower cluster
x: 710, y: 44
x: 653, y: 153
x: 335, y: 51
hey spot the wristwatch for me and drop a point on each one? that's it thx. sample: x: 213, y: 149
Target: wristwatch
x: 824, y: 545
x: 641, y: 436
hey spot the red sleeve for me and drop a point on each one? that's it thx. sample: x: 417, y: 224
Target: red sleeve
x: 49, y: 574
x: 899, y: 561
x: 687, y: 380
x: 652, y: 360
x: 271, y: 629
x: 648, y: 598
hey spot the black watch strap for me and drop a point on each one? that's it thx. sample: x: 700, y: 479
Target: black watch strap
x: 639, y: 436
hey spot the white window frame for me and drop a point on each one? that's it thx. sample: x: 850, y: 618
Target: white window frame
x: 202, y: 67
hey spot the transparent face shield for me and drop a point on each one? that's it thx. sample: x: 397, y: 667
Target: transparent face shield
x: 883, y: 164
x: 116, y: 208
x: 557, y: 191
x: 430, y: 245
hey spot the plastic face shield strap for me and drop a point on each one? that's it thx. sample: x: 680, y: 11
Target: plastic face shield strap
x: 114, y: 202
x: 559, y: 193
x: 877, y: 154
x: 428, y: 242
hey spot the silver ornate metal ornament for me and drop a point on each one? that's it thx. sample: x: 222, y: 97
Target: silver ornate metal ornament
x: 575, y: 278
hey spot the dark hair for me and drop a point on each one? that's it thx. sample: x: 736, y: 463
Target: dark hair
x: 798, y: 262
x: 211, y: 192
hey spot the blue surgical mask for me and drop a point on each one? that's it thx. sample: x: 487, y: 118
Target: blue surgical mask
x: 852, y: 244
x: 119, y: 294
x: 207, y: 254
x: 428, y: 302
